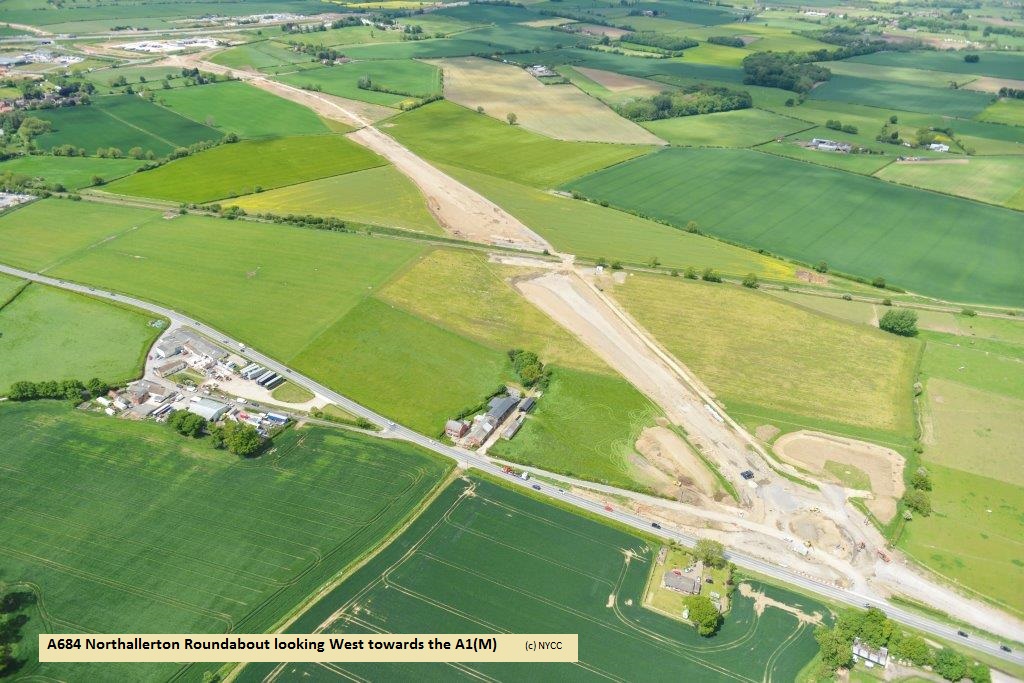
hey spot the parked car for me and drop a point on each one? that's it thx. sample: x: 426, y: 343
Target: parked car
x: 537, y: 486
x: 962, y: 634
x: 1005, y: 648
x: 655, y: 525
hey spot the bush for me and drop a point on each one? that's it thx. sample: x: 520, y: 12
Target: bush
x: 706, y: 619
x: 921, y: 480
x: 900, y: 321
x: 969, y: 312
x: 918, y: 501
x: 690, y: 273
x: 878, y: 282
x: 950, y: 664
x: 528, y: 368
x: 750, y: 281
x: 710, y: 275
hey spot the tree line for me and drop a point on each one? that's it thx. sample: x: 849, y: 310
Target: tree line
x: 688, y: 101
x: 68, y: 389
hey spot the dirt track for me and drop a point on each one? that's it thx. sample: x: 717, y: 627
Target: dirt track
x: 461, y: 211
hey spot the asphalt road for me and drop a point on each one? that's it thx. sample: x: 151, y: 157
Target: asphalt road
x: 469, y: 459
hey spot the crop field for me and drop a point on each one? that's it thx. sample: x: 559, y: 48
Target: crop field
x: 9, y: 287
x: 36, y: 346
x: 501, y: 561
x: 752, y: 348
x: 484, y: 40
x: 632, y: 66
x: 414, y: 79
x: 594, y: 231
x: 245, y: 167
x: 230, y: 274
x: 1005, y: 111
x: 929, y: 243
x: 72, y: 172
x: 996, y: 180
x: 354, y: 196
x: 122, y: 121
x: 853, y: 311
x: 995, y: 64
x: 896, y: 74
x: 719, y: 55
x: 890, y: 95
x: 229, y: 108
x: 672, y: 10
x: 352, y: 35
x: 586, y: 425
x: 407, y: 368
x: 46, y: 232
x: 127, y: 527
x: 558, y: 111
x: 104, y: 79
x: 447, y: 133
x: 740, y: 128
x: 608, y: 86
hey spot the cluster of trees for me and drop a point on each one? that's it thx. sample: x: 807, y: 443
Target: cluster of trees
x: 238, y: 438
x: 710, y: 552
x: 731, y: 41
x: 12, y: 619
x: 528, y: 368
x: 1003, y: 30
x: 1015, y: 93
x: 786, y: 70
x: 900, y: 321
x: 688, y: 101
x: 187, y: 424
x: 111, y: 152
x: 320, y: 52
x: 972, y: 59
x: 836, y: 124
x: 918, y: 498
x: 662, y: 41
x: 366, y: 83
x: 305, y: 221
x: 706, y: 619
x: 32, y: 126
x: 68, y: 389
x: 876, y: 630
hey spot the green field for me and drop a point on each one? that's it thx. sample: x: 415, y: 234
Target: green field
x: 594, y: 231
x: 275, y: 287
x: 259, y: 55
x: 973, y: 537
x: 586, y: 425
x: 751, y: 348
x: 1005, y: 111
x: 932, y: 244
x: 43, y: 233
x: 230, y: 107
x: 412, y: 78
x: 891, y: 95
x: 415, y: 372
x: 995, y: 180
x: 484, y: 40
x: 236, y: 169
x: 72, y: 172
x: 970, y: 412
x: 379, y: 196
x: 292, y: 393
x: 124, y: 122
x: 995, y: 64
x: 741, y: 128
x: 447, y: 133
x: 501, y: 561
x: 467, y: 294
x: 127, y: 527
x: 37, y: 344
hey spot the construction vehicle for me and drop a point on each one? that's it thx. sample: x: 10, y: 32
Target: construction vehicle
x: 507, y: 470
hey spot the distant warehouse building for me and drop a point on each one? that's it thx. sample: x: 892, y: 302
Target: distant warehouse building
x: 208, y: 409
x: 170, y: 367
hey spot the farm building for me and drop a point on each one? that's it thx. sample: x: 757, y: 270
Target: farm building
x: 201, y: 347
x: 824, y: 145
x: 141, y: 391
x: 167, y: 347
x: 501, y: 407
x: 869, y: 655
x: 511, y: 430
x: 170, y: 367
x: 676, y: 580
x: 938, y: 147
x: 208, y: 409
x: 456, y: 428
x: 527, y: 404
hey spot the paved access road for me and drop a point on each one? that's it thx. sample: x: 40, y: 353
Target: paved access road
x: 470, y: 459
